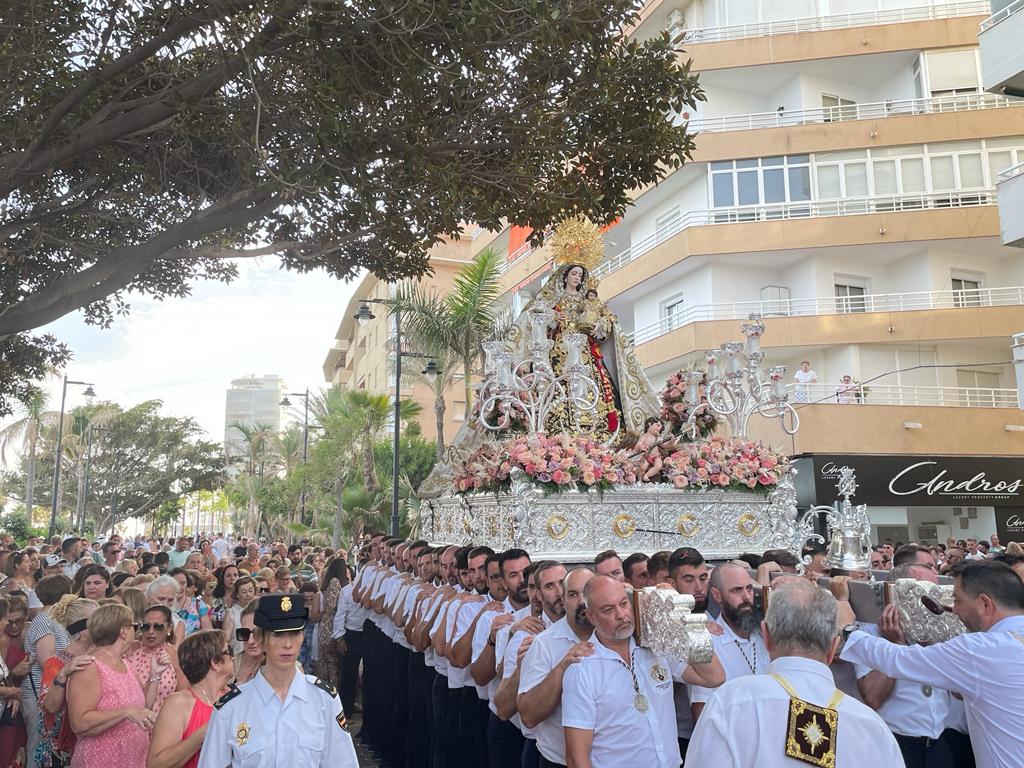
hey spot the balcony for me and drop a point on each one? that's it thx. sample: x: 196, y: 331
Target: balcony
x: 868, y: 111
x: 1010, y: 193
x: 1002, y: 57
x: 874, y: 394
x: 810, y: 209
x: 834, y: 305
x: 948, y: 429
x: 839, y: 21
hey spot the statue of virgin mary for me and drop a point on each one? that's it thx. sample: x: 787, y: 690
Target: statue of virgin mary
x: 625, y: 395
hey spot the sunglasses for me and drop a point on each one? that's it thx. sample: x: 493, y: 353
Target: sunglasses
x: 15, y: 622
x: 226, y: 652
x: 242, y: 634
x: 263, y: 590
x: 157, y: 627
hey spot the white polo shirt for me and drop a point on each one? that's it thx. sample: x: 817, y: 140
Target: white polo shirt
x: 744, y: 723
x: 480, y: 637
x: 908, y: 711
x: 467, y: 612
x: 739, y: 657
x: 548, y: 648
x: 598, y: 695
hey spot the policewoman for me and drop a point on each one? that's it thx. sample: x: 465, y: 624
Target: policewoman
x: 281, y: 717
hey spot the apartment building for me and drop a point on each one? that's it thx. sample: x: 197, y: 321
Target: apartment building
x: 251, y: 401
x: 363, y: 357
x: 845, y: 188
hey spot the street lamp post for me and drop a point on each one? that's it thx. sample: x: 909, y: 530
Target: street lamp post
x: 89, y: 392
x: 364, y: 316
x: 285, y: 403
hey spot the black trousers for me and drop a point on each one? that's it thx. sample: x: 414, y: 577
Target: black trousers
x: 399, y: 704
x: 453, y: 748
x: 417, y: 733
x: 504, y: 743
x: 531, y: 757
x: 348, y: 672
x: 920, y: 752
x: 371, y: 683
x: 545, y: 763
x: 439, y: 734
x: 960, y: 746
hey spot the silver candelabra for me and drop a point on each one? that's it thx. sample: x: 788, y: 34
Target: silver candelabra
x: 736, y: 386
x: 849, y: 528
x: 532, y: 387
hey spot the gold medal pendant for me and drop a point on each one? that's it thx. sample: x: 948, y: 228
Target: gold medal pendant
x: 640, y: 702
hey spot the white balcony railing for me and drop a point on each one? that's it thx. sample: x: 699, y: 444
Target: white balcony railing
x: 1011, y: 173
x: 1002, y: 15
x: 885, y: 394
x: 1010, y: 296
x: 839, y: 21
x: 518, y: 256
x: 869, y: 111
x: 803, y: 210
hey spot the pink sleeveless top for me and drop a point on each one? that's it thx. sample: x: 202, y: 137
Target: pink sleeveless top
x: 125, y: 744
x: 200, y: 716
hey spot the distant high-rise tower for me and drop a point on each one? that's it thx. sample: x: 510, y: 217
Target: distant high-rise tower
x: 251, y: 401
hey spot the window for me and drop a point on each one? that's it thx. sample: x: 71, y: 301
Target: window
x: 458, y: 410
x: 952, y: 72
x: 774, y: 300
x: 977, y: 388
x: 760, y: 181
x: 672, y: 311
x: 667, y: 224
x: 966, y: 292
x: 850, y: 298
x: 837, y: 108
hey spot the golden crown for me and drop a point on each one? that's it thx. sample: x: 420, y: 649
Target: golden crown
x: 577, y: 241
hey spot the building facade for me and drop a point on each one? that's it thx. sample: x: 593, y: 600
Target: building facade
x: 844, y: 187
x: 251, y: 401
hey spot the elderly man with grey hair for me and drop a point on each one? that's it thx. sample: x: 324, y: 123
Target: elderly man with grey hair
x: 794, y: 712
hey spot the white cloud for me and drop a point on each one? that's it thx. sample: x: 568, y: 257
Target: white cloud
x: 186, y: 351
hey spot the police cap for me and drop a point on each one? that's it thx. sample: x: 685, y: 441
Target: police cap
x: 281, y: 612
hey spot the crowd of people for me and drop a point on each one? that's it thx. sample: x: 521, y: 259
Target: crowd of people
x: 116, y: 652
x: 219, y: 651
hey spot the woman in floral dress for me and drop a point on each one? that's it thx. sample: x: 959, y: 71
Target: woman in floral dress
x: 334, y: 577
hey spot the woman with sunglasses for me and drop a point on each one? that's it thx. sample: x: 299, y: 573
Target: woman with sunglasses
x: 191, y: 609
x: 178, y: 736
x: 249, y: 661
x: 164, y: 590
x: 154, y: 662
x: 106, y: 705
x: 15, y: 665
x: 57, y: 740
x: 244, y: 594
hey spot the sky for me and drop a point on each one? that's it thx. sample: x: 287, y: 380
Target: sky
x: 185, y: 352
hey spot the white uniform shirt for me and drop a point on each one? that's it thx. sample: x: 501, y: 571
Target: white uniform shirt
x: 548, y: 648
x: 739, y: 657
x: 346, y: 617
x: 908, y: 711
x: 481, y: 635
x: 255, y: 729
x: 744, y: 723
x: 986, y: 668
x: 460, y: 677
x: 598, y: 695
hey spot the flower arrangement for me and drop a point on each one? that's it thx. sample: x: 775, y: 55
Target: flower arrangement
x: 721, y: 462
x: 518, y: 423
x: 554, y: 462
x: 676, y: 411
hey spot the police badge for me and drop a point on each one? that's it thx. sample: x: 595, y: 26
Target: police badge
x: 242, y: 734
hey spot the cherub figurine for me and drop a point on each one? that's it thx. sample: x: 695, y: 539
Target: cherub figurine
x: 650, y: 450
x: 590, y: 308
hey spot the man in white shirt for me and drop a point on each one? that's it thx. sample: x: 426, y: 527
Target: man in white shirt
x: 758, y: 720
x: 973, y: 553
x: 916, y: 714
x: 220, y: 546
x: 542, y: 670
x: 740, y: 647
x: 985, y: 666
x: 804, y: 377
x: 617, y: 706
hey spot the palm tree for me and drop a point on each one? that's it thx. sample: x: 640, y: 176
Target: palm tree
x: 258, y: 458
x: 367, y: 415
x: 454, y: 326
x: 25, y: 434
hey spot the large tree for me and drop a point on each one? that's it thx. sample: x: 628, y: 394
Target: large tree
x: 144, y: 144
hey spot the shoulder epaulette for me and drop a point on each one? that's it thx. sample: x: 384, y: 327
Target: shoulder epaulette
x: 323, y: 685
x: 233, y: 691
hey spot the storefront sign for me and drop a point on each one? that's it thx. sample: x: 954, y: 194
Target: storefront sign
x: 1010, y: 524
x: 917, y: 481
